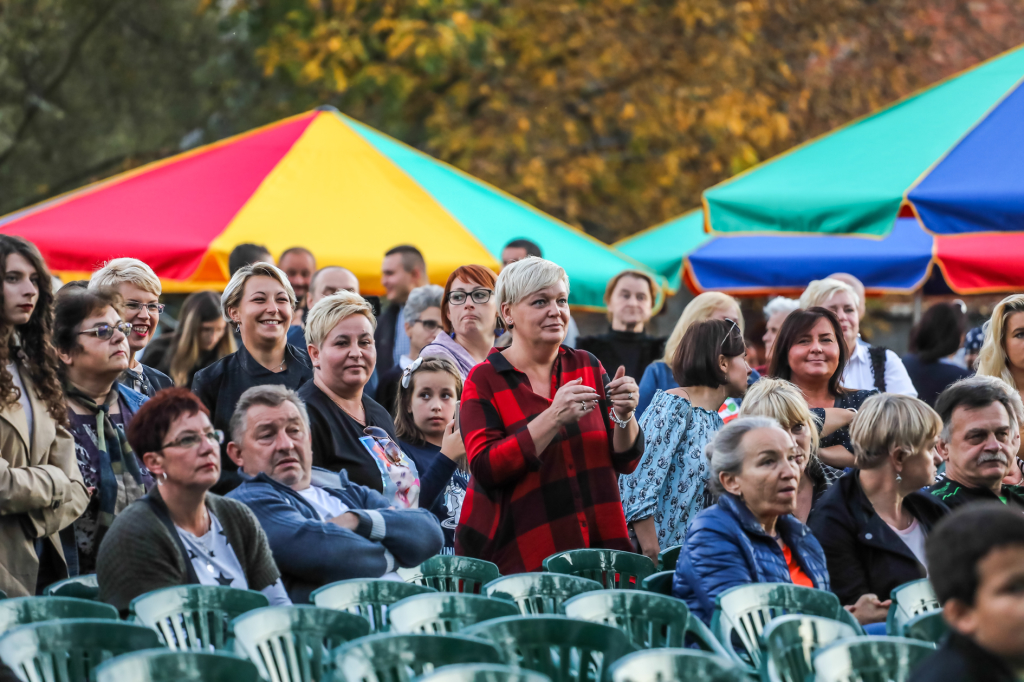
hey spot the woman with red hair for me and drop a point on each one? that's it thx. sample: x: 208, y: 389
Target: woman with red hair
x: 469, y: 318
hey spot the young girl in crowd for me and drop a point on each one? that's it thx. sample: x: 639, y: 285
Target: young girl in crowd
x: 428, y: 432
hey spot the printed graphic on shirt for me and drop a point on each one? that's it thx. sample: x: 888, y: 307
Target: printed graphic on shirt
x: 401, y: 479
x: 454, y: 495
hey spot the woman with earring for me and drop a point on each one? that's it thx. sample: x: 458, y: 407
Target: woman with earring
x: 41, y: 487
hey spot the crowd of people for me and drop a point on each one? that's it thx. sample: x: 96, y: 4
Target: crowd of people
x: 287, y: 434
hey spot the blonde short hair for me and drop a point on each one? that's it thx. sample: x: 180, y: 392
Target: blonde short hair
x: 130, y: 270
x: 889, y: 422
x: 699, y: 309
x: 329, y: 311
x: 526, y: 276
x: 232, y: 295
x: 783, y: 402
x: 992, y: 361
x: 820, y: 290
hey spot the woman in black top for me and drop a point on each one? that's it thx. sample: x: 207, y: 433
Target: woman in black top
x: 630, y: 297
x: 933, y: 342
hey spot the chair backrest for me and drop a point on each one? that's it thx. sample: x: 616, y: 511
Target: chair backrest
x: 611, y: 568
x: 194, y: 617
x: 483, y: 672
x: 790, y: 643
x: 564, y: 649
x: 370, y: 599
x: 294, y: 643
x: 446, y: 612
x: 870, y: 659
x: 742, y: 613
x: 80, y: 587
x: 539, y: 593
x: 453, y: 574
x: 668, y: 665
x: 401, y: 658
x: 25, y: 610
x: 668, y: 557
x: 160, y: 665
x: 928, y: 627
x: 658, y: 583
x: 69, y: 650
x: 910, y: 600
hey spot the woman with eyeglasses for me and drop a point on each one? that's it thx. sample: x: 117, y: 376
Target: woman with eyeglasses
x: 139, y: 288
x: 422, y: 315
x: 92, y: 344
x: 180, y: 533
x: 469, y: 317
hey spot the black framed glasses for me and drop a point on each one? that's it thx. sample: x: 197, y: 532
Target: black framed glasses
x: 105, y: 331
x: 191, y: 440
x: 429, y: 325
x: 153, y: 308
x: 478, y: 295
x: 390, y: 447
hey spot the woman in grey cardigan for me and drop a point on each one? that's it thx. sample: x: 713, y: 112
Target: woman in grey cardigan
x: 180, y: 534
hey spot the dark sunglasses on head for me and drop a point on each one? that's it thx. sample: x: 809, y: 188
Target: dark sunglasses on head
x: 391, y: 449
x: 105, y: 331
x: 478, y: 295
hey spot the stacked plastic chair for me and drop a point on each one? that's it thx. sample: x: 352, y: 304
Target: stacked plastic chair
x: 658, y: 583
x: 194, y: 617
x: 370, y: 599
x: 909, y: 601
x: 663, y: 665
x: 870, y: 659
x: 80, y: 587
x: 483, y: 672
x: 25, y: 610
x: 539, y: 593
x: 402, y: 658
x: 928, y: 627
x: 443, y: 613
x: 611, y: 568
x: 791, y: 641
x: 668, y: 557
x: 177, y: 666
x: 452, y: 574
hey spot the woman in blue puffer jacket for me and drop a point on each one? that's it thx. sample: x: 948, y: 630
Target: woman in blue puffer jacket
x: 750, y: 535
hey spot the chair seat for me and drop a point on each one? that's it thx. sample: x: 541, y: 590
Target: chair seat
x: 194, y: 617
x: 611, y: 568
x: 870, y: 659
x: 664, y: 665
x: 453, y: 574
x: 539, y: 593
x: 25, y: 610
x: 370, y: 599
x: 446, y: 612
x: 403, y: 657
x: 158, y: 665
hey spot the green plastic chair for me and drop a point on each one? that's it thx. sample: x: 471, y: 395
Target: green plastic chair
x: 178, y: 666
x: 742, y: 613
x: 658, y: 583
x: 370, y: 599
x: 790, y: 643
x: 910, y: 600
x: 445, y: 612
x: 25, y: 610
x: 650, y: 620
x: 539, y: 593
x: 483, y: 672
x: 564, y: 649
x: 194, y: 617
x: 452, y: 574
x: 294, y: 643
x: 669, y: 665
x: 928, y: 627
x: 79, y: 587
x: 69, y: 650
x: 870, y: 659
x: 401, y: 658
x: 611, y: 568
x: 668, y: 557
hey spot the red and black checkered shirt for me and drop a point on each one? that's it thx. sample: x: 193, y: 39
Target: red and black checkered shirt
x: 523, y: 505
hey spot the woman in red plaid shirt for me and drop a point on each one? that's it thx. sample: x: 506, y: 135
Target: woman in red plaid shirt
x: 546, y: 433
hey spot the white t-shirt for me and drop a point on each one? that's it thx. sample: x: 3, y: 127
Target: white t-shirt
x: 326, y: 505
x: 913, y: 537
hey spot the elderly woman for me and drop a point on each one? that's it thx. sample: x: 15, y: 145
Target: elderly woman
x: 180, y: 534
x: 469, y: 316
x: 260, y: 303
x: 669, y: 487
x: 546, y: 434
x: 750, y: 535
x: 139, y: 288
x: 867, y: 366
x: 873, y: 522
x: 41, y: 487
x: 630, y: 297
x: 339, y: 331
x: 422, y: 315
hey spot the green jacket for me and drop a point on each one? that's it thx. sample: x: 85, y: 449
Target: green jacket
x: 954, y: 494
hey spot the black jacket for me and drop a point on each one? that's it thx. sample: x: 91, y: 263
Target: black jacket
x: 931, y: 378
x: 959, y: 659
x: 953, y: 494
x: 632, y: 350
x: 865, y: 555
x: 384, y: 338
x: 147, y: 382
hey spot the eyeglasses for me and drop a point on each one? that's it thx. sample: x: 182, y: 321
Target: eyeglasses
x: 191, y: 440
x: 105, y: 331
x: 479, y: 296
x: 153, y: 308
x: 429, y: 325
x: 728, y: 334
x: 391, y: 449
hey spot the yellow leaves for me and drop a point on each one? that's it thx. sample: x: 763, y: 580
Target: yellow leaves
x: 628, y: 112
x: 397, y: 48
x: 523, y: 124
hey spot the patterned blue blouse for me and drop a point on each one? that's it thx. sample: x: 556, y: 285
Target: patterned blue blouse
x: 671, y: 480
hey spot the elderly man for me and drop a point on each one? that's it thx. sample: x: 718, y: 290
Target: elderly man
x: 324, y: 530
x: 979, y: 440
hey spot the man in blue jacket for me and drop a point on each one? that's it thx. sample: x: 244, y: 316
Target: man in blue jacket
x: 321, y: 527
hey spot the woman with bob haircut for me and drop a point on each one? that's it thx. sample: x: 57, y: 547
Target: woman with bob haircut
x: 260, y: 302
x: 201, y: 339
x: 630, y: 297
x: 546, y: 432
x: 750, y: 535
x: 933, y: 343
x: 469, y: 318
x: 873, y: 522
x: 669, y: 488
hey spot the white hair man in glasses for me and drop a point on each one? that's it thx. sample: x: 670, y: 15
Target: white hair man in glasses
x: 321, y: 526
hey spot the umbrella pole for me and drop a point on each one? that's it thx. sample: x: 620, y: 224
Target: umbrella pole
x: 918, y: 305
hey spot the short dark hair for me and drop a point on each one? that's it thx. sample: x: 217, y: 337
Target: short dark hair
x: 972, y: 393
x: 696, y: 360
x: 245, y: 254
x: 75, y: 304
x: 297, y: 249
x: 961, y: 540
x: 798, y: 323
x: 532, y: 248
x: 938, y: 333
x: 411, y: 257
x: 148, y: 428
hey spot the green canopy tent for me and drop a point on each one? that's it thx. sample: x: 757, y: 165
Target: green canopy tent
x: 663, y: 247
